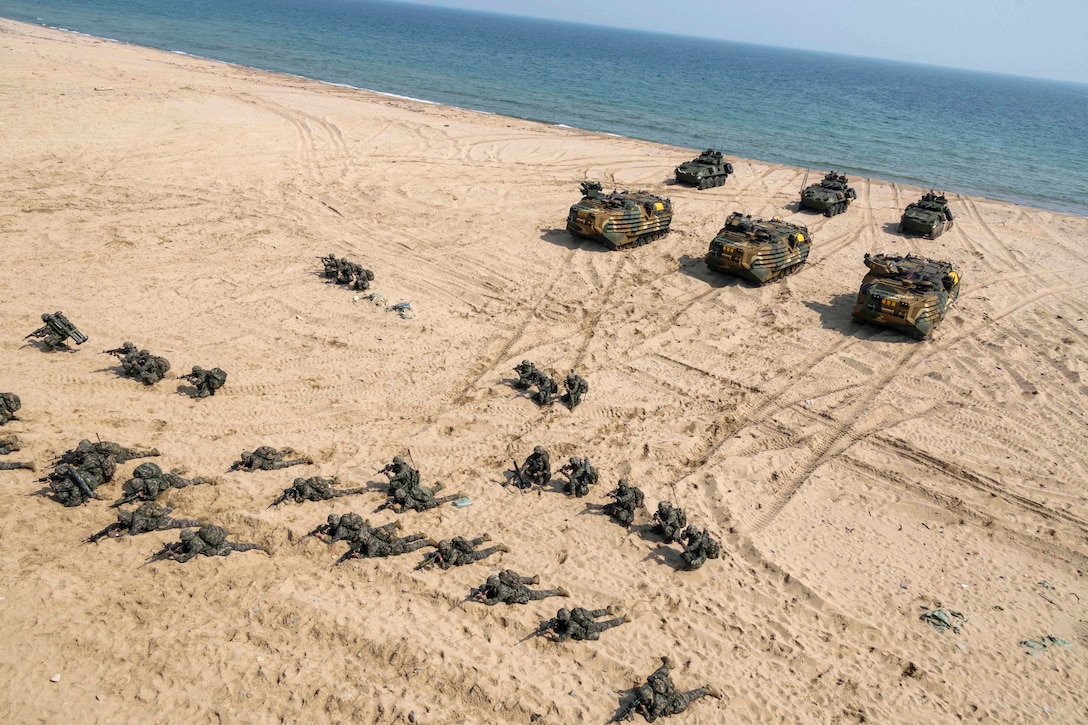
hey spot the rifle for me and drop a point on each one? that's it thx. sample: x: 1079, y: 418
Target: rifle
x: 539, y: 631
x: 127, y: 498
x: 169, y: 550
x: 315, y: 531
x: 108, y: 531
x: 627, y: 713
x: 117, y: 351
x: 349, y: 554
x: 285, y: 496
x: 429, y: 560
x: 191, y: 377
x: 40, y: 332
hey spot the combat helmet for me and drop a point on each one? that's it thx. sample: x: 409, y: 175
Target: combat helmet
x: 147, y: 470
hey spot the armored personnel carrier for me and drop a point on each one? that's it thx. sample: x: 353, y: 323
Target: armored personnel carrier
x: 704, y: 171
x: 929, y: 216
x: 910, y: 294
x: 831, y: 196
x: 619, y: 219
x: 758, y: 250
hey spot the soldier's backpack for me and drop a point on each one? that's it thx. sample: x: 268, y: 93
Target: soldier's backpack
x: 352, y: 521
x: 217, y: 377
x: 212, y: 535
x: 147, y: 470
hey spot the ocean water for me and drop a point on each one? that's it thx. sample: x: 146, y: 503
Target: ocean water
x: 1009, y: 138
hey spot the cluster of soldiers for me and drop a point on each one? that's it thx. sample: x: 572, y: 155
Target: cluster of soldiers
x: 140, y: 364
x: 698, y: 545
x: 342, y: 271
x: 78, y: 472
x: 405, y: 493
x: 148, y: 483
x: 546, y: 389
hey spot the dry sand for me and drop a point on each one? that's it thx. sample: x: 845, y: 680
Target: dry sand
x: 855, y: 476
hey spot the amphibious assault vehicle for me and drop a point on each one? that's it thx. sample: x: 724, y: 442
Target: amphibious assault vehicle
x: 831, y: 196
x: 759, y: 250
x: 619, y: 219
x: 929, y: 216
x: 704, y: 171
x: 910, y: 294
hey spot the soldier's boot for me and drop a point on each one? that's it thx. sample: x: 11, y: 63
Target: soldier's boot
x: 680, y: 701
x: 12, y: 465
x: 545, y: 593
x: 128, y: 454
x: 445, y: 499
x: 410, y: 545
x: 713, y: 692
x: 432, y: 542
x: 609, y: 610
x: 695, y: 562
x: 534, y: 579
x: 479, y: 540
x: 231, y: 546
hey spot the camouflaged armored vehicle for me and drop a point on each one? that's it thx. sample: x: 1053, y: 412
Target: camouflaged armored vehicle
x: 831, y: 196
x: 758, y: 250
x: 910, y: 294
x: 619, y: 219
x: 704, y: 171
x: 929, y: 216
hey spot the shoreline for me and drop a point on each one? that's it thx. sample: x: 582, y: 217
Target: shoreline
x: 857, y: 479
x: 966, y: 191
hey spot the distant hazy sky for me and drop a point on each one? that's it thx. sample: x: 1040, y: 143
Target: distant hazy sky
x: 1043, y: 38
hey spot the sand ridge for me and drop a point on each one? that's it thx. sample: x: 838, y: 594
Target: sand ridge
x: 854, y: 475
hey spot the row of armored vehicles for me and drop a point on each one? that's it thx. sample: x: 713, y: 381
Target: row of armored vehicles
x: 908, y: 293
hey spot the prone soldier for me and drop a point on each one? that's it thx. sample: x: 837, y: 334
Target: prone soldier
x: 580, y: 624
x: 208, y: 540
x: 140, y: 364
x: 698, y: 547
x: 382, y: 542
x: 627, y: 499
x: 10, y: 443
x: 576, y: 388
x: 459, y: 551
x: 74, y: 479
x: 414, y: 497
x: 267, y: 458
x: 345, y: 527
x: 9, y: 403
x: 150, y: 516
x: 509, y: 587
x: 206, y: 381
x: 314, y: 489
x: 148, y: 482
x: 56, y: 330
x: 580, y: 476
x: 114, y: 451
x: 669, y: 521
x: 660, y: 698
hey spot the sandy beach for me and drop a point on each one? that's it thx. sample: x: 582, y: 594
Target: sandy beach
x: 856, y: 478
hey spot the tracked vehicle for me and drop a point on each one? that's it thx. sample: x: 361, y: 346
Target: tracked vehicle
x: 620, y: 219
x: 910, y: 294
x: 758, y: 250
x: 704, y: 171
x: 929, y: 216
x: 831, y: 196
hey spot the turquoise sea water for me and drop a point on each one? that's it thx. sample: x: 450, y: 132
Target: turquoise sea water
x: 1009, y: 138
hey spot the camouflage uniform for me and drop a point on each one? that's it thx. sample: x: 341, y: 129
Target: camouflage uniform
x: 546, y: 391
x: 627, y: 500
x: 660, y: 698
x: 74, y: 479
x: 458, y: 551
x: 267, y: 458
x: 148, y: 369
x: 381, y: 542
x: 346, y: 527
x: 112, y: 450
x: 576, y: 388
x: 669, y: 521
x: 414, y: 497
x: 150, y: 516
x: 9, y: 403
x: 148, y: 482
x: 8, y: 444
x: 580, y: 476
x: 208, y: 540
x: 581, y: 624
x: 56, y: 330
x: 314, y: 489
x: 400, y: 474
x: 698, y: 547
x: 206, y: 381
x: 528, y: 375
x: 508, y: 587
x: 537, y: 469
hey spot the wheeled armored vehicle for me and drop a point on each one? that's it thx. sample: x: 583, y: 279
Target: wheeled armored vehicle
x: 929, y: 216
x: 706, y: 170
x: 831, y: 196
